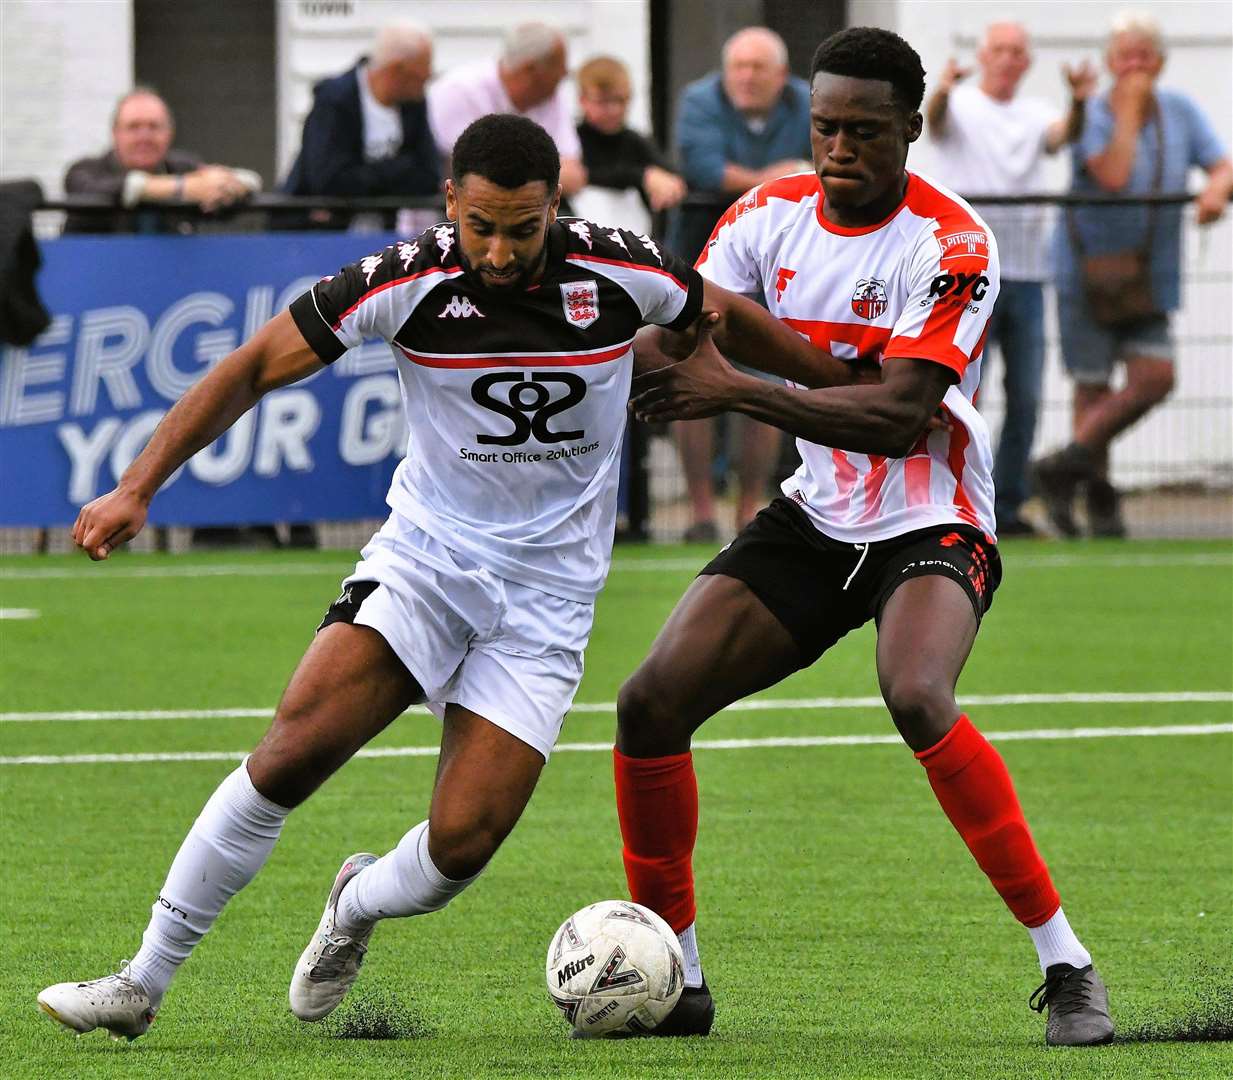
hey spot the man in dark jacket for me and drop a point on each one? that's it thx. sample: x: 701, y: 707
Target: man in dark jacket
x: 367, y: 133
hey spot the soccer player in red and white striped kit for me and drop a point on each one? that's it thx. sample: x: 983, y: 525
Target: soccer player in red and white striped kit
x: 888, y: 518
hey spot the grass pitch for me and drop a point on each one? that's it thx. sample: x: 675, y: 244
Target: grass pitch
x: 844, y: 929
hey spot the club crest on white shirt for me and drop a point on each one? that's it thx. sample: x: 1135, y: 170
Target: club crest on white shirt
x: 580, y: 300
x: 869, y: 300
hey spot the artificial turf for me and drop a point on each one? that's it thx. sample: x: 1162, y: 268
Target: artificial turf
x: 844, y: 929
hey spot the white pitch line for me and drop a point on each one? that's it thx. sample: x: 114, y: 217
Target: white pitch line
x: 600, y: 747
x: 683, y: 563
x: 18, y: 613
x: 1177, y: 697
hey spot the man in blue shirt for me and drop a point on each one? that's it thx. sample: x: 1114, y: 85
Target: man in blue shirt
x: 735, y: 128
x: 1131, y: 133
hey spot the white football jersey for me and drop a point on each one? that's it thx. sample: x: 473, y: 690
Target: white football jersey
x: 515, y: 399
x: 920, y: 284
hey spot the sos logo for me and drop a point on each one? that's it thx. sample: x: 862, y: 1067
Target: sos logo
x: 528, y: 404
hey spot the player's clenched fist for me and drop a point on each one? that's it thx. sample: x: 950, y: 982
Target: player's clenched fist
x: 109, y: 521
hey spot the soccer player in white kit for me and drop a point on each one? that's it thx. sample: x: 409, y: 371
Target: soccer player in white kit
x: 886, y: 519
x: 512, y: 332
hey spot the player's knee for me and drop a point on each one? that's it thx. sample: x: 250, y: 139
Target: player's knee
x: 460, y: 845
x: 922, y: 706
x: 649, y: 718
x: 291, y: 762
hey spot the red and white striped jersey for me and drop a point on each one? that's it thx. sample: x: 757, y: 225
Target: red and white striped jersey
x: 920, y: 284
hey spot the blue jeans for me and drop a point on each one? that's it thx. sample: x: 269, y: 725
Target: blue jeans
x: 1018, y: 327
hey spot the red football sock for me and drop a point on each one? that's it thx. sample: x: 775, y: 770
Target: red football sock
x: 971, y: 782
x: 657, y: 802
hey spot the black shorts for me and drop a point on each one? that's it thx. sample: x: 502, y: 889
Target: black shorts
x: 821, y: 588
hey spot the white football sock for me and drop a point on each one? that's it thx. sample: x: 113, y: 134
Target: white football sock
x: 1056, y: 943
x: 228, y: 843
x: 689, y: 946
x: 403, y: 882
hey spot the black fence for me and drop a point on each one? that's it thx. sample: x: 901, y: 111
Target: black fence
x: 1176, y: 466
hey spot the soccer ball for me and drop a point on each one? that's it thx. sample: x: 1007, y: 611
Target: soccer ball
x: 615, y: 968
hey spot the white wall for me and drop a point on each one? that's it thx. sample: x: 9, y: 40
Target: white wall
x: 317, y: 38
x: 1192, y: 435
x: 63, y: 64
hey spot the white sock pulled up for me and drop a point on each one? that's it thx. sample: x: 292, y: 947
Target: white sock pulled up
x: 689, y: 946
x: 402, y: 882
x: 228, y: 843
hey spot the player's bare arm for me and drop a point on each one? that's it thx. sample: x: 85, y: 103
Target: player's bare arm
x: 886, y: 418
x: 747, y: 333
x: 275, y: 356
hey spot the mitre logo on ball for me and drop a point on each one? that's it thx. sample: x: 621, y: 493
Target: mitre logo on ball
x: 580, y: 299
x: 869, y: 300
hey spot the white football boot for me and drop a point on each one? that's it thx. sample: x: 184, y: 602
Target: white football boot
x: 114, y: 1002
x: 330, y: 964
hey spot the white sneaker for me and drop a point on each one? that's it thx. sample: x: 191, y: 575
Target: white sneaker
x: 330, y: 964
x: 114, y: 1002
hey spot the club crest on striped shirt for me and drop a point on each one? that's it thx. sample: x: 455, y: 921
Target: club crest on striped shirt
x: 869, y: 301
x: 580, y: 299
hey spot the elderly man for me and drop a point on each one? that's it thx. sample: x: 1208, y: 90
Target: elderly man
x: 994, y: 141
x: 367, y: 132
x: 735, y: 128
x: 1118, y: 269
x: 526, y: 80
x: 142, y: 167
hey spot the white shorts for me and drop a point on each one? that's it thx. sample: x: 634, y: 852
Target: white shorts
x: 508, y: 652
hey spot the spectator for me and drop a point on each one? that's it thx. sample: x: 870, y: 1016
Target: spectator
x: 526, y: 80
x: 142, y: 168
x: 736, y: 128
x: 367, y: 132
x: 627, y: 176
x: 994, y: 141
x: 1119, y: 268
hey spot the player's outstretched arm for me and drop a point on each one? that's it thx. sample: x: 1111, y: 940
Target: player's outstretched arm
x: 275, y: 356
x: 886, y: 418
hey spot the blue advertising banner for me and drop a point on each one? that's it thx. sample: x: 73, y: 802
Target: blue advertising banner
x: 137, y: 321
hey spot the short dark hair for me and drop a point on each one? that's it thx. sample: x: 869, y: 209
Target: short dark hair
x: 507, y: 150
x: 867, y: 52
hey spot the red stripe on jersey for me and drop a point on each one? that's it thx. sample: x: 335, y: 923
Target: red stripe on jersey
x: 916, y: 471
x: 631, y: 265
x: 390, y: 285
x: 791, y: 188
x: 957, y: 459
x: 530, y: 360
x: 870, y: 341
x: 845, y: 478
x: 874, y: 479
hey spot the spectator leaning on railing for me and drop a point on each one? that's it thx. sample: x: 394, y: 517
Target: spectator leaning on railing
x: 994, y: 140
x: 1118, y: 268
x: 367, y: 132
x: 735, y: 128
x: 617, y: 158
x: 526, y: 80
x: 142, y: 168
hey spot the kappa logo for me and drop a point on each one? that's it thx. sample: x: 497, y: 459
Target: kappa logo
x: 652, y: 247
x: 369, y: 265
x: 445, y: 239
x: 616, y: 237
x: 869, y: 301
x: 580, y: 230
x: 580, y: 302
x: 781, y: 281
x: 460, y: 307
x: 407, y: 251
